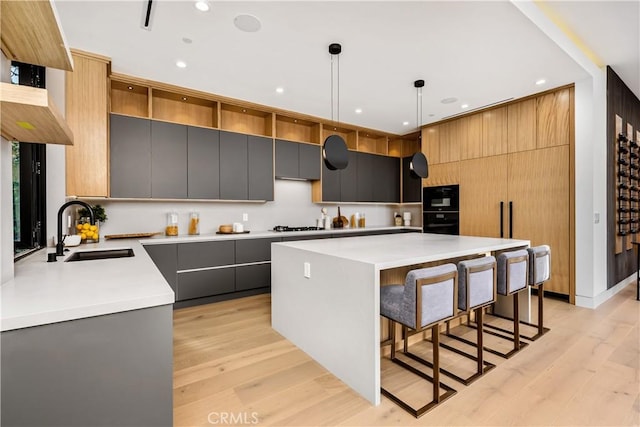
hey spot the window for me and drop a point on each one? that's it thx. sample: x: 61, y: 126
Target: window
x: 29, y: 177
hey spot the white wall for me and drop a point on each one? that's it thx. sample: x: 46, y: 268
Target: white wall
x: 292, y: 206
x: 6, y: 194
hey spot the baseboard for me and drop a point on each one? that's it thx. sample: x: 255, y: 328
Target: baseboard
x: 594, y: 302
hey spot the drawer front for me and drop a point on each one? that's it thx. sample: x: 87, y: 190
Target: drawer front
x: 254, y: 250
x: 197, y: 284
x: 253, y: 276
x: 205, y: 254
x: 310, y: 237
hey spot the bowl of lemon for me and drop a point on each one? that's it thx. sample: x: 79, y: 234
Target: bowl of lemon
x: 89, y: 233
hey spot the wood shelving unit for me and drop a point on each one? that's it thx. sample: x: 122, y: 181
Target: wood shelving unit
x: 350, y: 136
x: 298, y: 130
x: 247, y: 120
x: 183, y: 108
x: 129, y: 99
x: 28, y: 115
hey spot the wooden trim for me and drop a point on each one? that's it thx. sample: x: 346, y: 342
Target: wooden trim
x: 90, y: 55
x: 572, y: 199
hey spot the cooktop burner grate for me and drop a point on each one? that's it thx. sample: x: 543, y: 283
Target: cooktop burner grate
x: 287, y: 228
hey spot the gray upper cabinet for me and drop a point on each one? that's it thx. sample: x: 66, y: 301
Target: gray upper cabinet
x: 287, y: 159
x: 203, y: 163
x: 330, y: 184
x: 349, y: 179
x: 366, y: 173
x: 260, y: 163
x: 297, y: 160
x: 309, y: 161
x: 168, y: 160
x: 386, y: 179
x: 411, y: 183
x: 130, y: 157
x: 234, y: 171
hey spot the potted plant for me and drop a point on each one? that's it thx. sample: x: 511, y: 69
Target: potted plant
x: 90, y: 233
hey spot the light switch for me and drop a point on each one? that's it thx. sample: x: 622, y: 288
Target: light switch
x: 596, y: 218
x: 245, y: 217
x: 307, y: 270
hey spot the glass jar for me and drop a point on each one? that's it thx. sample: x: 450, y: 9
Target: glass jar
x: 172, y: 224
x: 89, y: 233
x: 194, y: 223
x: 361, y: 221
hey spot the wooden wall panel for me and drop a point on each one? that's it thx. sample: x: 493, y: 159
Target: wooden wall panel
x: 521, y: 127
x: 450, y: 134
x: 471, y: 136
x: 443, y: 174
x: 431, y: 144
x: 87, y: 100
x: 553, y: 123
x: 494, y: 132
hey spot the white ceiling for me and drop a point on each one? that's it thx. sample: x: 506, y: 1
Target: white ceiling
x: 480, y: 52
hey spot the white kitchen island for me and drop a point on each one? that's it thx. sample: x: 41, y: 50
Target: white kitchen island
x: 325, y: 294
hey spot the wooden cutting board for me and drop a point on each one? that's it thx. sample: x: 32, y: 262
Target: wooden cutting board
x: 131, y: 235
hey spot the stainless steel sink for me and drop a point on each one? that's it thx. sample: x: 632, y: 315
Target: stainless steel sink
x: 101, y: 254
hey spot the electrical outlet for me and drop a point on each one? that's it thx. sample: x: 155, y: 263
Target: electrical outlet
x: 245, y: 217
x: 307, y: 270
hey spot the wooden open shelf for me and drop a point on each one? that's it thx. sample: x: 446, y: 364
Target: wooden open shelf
x: 370, y: 142
x: 350, y: 136
x: 28, y: 115
x: 129, y: 99
x: 32, y: 34
x: 404, y: 146
x: 294, y: 129
x: 185, y: 109
x: 246, y: 120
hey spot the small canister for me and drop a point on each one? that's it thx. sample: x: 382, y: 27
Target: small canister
x: 194, y: 223
x: 172, y: 224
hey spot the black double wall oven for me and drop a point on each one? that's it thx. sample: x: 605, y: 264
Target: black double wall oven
x: 440, y: 209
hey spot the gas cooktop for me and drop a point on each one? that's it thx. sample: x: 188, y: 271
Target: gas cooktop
x: 287, y: 228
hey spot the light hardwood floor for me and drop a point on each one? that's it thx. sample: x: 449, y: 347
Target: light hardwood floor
x: 228, y: 362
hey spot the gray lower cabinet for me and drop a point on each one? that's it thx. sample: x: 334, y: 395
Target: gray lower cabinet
x: 205, y: 254
x: 234, y: 171
x: 203, y: 163
x: 130, y: 157
x: 253, y: 276
x: 168, y: 160
x: 205, y: 283
x: 254, y: 250
x: 260, y: 168
x: 165, y: 258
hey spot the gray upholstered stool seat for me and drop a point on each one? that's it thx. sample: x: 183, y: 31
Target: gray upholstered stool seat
x: 513, y: 278
x: 539, y: 273
x: 427, y: 298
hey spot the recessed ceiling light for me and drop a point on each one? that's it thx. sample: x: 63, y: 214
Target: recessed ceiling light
x: 358, y: 110
x: 279, y: 89
x: 187, y: 40
x: 184, y: 98
x: 431, y: 114
x: 130, y: 87
x: 202, y: 5
x: 181, y: 64
x: 247, y: 23
x: 464, y: 106
x: 405, y: 123
x: 540, y: 82
x: 449, y: 100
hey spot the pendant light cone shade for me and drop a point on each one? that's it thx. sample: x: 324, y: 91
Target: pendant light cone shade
x: 419, y: 165
x: 334, y: 149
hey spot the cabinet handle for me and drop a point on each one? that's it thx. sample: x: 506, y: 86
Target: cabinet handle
x: 511, y: 220
x: 501, y: 219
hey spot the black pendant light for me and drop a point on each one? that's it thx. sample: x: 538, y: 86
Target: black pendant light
x: 419, y: 166
x: 334, y: 149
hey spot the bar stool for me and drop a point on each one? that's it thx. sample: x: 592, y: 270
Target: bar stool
x: 427, y: 299
x: 512, y: 279
x: 476, y: 290
x: 539, y: 272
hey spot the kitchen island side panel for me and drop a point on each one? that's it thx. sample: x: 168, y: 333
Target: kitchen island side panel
x: 340, y: 295
x: 111, y: 370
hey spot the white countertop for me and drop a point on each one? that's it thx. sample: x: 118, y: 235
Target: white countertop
x: 44, y: 292
x: 397, y: 250
x: 265, y: 234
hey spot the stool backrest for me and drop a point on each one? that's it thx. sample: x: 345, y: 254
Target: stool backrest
x: 539, y: 264
x: 476, y: 282
x: 430, y: 296
x: 513, y: 273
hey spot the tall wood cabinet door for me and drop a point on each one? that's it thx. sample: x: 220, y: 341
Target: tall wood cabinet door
x: 539, y: 190
x: 450, y: 141
x: 443, y: 174
x: 431, y: 144
x: 168, y: 160
x: 553, y: 118
x: 471, y: 137
x: 494, y: 132
x: 483, y: 185
x: 203, y: 160
x: 130, y: 157
x: 234, y: 171
x: 522, y: 127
